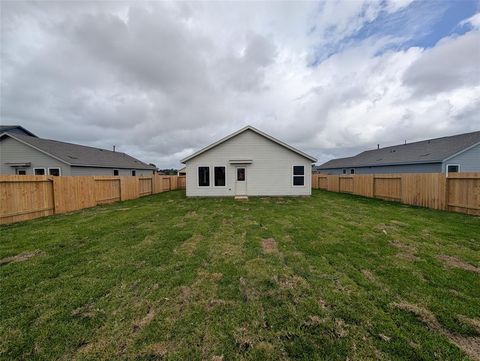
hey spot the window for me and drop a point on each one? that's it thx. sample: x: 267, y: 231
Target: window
x: 344, y: 171
x: 298, y: 175
x: 39, y: 171
x: 134, y: 173
x: 219, y: 176
x: 203, y: 176
x: 115, y: 172
x: 352, y: 171
x: 54, y: 171
x: 240, y: 174
x: 453, y: 168
x: 21, y: 171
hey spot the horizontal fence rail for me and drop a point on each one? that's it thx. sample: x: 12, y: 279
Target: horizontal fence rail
x: 459, y: 192
x: 24, y: 197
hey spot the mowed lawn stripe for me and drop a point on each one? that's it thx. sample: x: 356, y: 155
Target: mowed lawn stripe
x: 165, y: 277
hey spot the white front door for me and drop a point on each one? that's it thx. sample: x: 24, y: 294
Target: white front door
x: 241, y: 181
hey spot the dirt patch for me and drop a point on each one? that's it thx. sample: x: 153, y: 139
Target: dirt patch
x: 314, y: 321
x: 218, y: 358
x: 469, y: 345
x: 386, y: 228
x: 160, y: 349
x: 341, y: 328
x: 407, y: 251
x: 242, y: 339
x: 145, y: 320
x: 473, y: 322
x: 24, y: 256
x: 455, y: 262
x: 291, y: 282
x: 86, y: 311
x: 368, y: 275
x: 269, y: 245
x: 189, y: 246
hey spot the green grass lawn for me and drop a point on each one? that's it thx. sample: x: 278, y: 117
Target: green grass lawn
x: 330, y: 277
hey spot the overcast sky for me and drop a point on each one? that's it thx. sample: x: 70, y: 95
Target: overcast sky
x: 162, y: 79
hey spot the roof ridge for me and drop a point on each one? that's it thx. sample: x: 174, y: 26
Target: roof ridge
x: 419, y: 141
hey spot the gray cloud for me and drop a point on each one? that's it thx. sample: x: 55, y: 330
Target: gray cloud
x: 453, y: 63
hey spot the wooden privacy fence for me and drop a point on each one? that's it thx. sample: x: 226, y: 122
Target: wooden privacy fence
x: 27, y: 197
x: 459, y: 192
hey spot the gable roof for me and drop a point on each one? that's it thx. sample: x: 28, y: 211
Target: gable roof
x: 15, y: 129
x: 80, y: 155
x: 255, y: 130
x: 426, y: 151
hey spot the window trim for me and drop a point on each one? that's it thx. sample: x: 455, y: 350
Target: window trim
x: 118, y: 172
x: 209, y: 176
x: 454, y: 164
x: 44, y: 170
x: 21, y: 170
x: 304, y: 176
x: 352, y: 170
x: 226, y: 177
x: 59, y: 170
x: 133, y: 171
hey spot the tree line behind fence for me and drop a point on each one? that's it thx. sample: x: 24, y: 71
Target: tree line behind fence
x: 28, y: 197
x: 459, y: 192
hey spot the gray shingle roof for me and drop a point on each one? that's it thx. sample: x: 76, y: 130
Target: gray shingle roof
x: 15, y: 129
x: 426, y: 151
x: 81, y: 155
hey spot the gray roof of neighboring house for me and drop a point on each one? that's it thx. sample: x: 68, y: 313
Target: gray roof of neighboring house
x: 426, y: 151
x: 15, y: 129
x: 81, y: 155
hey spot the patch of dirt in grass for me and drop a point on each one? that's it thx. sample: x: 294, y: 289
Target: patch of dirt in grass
x: 473, y: 322
x: 21, y: 257
x: 189, y: 246
x: 341, y: 328
x: 137, y: 326
x: 243, y: 339
x: 291, y: 282
x: 455, y: 262
x: 86, y: 311
x: 407, y: 251
x: 159, y: 349
x: 368, y: 275
x: 386, y: 228
x: 218, y: 358
x: 313, y: 321
x: 469, y: 345
x: 269, y: 245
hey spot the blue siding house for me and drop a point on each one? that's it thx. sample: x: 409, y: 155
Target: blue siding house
x: 456, y: 153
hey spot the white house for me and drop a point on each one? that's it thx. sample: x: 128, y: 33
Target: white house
x: 246, y: 163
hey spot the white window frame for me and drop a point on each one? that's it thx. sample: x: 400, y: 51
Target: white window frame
x: 304, y: 176
x: 21, y: 169
x: 44, y: 170
x: 209, y: 176
x: 454, y: 164
x: 213, y: 178
x: 59, y: 170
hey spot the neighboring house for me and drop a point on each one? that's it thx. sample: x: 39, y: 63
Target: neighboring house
x: 21, y: 152
x: 456, y: 153
x: 182, y: 171
x: 248, y: 163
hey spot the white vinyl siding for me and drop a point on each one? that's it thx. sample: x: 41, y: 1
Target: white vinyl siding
x: 269, y: 174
